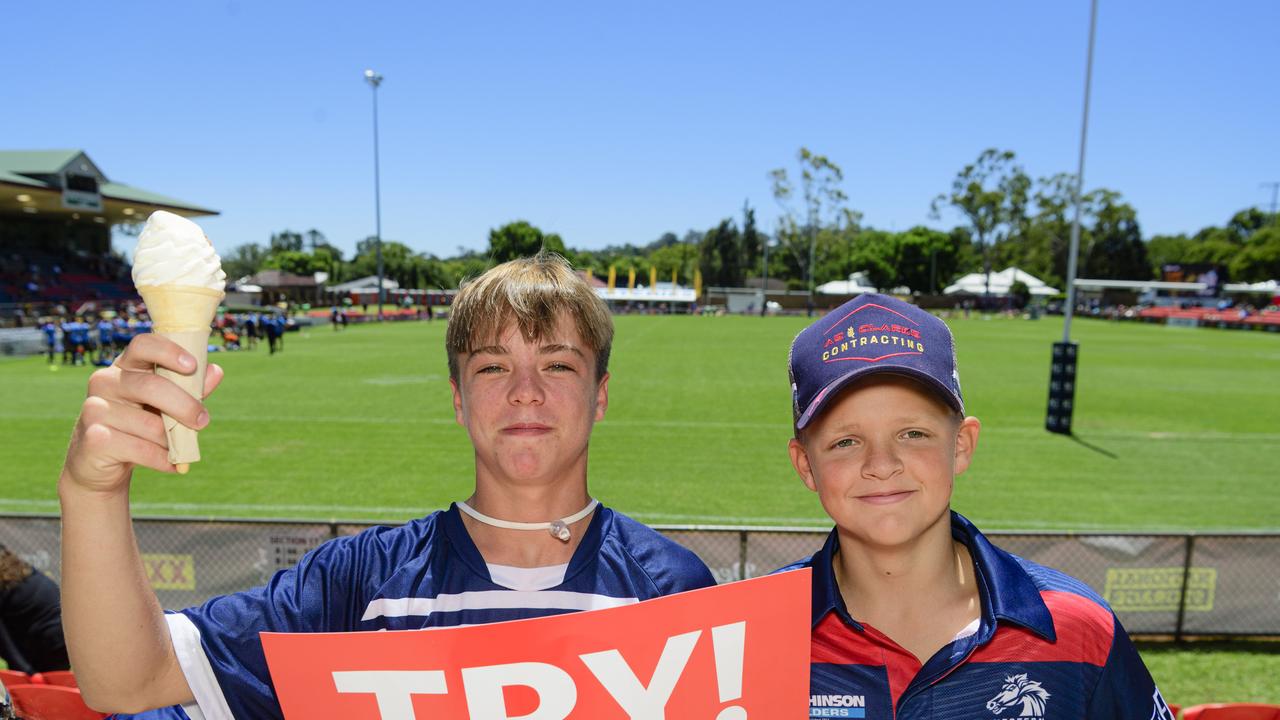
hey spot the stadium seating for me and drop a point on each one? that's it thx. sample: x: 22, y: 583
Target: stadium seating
x: 1232, y: 711
x: 50, y: 702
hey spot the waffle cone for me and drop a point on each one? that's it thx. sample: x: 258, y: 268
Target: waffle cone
x: 183, y: 314
x: 180, y: 308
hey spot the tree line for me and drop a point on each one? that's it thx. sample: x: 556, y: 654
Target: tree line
x: 1009, y: 219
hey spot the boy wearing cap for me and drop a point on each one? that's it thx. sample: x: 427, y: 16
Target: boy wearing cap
x: 915, y: 613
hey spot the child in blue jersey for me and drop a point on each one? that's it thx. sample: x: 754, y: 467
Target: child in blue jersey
x: 50, y: 336
x: 104, y: 340
x: 528, y: 350
x: 915, y: 613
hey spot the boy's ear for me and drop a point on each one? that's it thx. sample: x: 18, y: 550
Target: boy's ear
x: 800, y: 461
x: 602, y: 397
x: 457, y: 401
x: 966, y: 442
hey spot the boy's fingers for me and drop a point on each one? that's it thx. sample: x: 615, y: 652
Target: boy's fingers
x: 150, y: 350
x: 144, y: 388
x: 121, y: 448
x: 122, y: 416
x: 213, y: 375
x: 139, y: 423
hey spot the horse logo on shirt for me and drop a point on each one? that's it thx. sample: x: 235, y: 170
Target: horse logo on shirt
x: 1018, y: 689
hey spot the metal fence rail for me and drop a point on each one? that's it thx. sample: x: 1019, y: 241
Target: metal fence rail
x: 1158, y: 583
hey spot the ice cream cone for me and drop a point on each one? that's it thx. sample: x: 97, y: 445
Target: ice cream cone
x: 182, y: 313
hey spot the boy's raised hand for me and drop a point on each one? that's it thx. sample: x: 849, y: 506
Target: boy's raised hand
x: 120, y: 424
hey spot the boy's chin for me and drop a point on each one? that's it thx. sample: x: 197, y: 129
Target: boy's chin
x: 888, y: 530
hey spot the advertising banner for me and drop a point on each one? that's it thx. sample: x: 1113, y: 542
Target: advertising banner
x: 730, y: 652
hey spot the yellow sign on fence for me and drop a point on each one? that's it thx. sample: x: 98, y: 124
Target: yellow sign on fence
x: 1159, y: 589
x: 170, y: 572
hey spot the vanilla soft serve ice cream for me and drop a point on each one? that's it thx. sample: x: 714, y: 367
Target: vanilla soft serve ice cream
x: 181, y: 280
x: 172, y: 250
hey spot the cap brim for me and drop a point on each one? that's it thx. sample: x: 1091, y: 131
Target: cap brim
x: 834, y: 387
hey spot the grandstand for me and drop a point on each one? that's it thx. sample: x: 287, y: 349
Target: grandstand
x: 57, y: 214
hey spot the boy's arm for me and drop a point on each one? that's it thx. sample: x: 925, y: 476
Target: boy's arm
x: 116, y: 633
x: 1125, y: 690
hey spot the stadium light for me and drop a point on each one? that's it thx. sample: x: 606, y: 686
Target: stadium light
x: 764, y: 282
x: 374, y: 79
x: 1062, y: 368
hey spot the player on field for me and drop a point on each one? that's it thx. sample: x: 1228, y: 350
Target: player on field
x: 528, y: 350
x: 915, y: 613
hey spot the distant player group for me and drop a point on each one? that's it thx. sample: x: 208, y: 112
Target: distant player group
x: 915, y: 614
x: 98, y: 339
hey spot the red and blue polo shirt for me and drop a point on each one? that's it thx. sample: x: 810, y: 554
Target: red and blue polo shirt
x: 1046, y: 646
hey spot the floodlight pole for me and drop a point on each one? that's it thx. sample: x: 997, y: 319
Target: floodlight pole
x: 1065, y: 358
x: 1275, y: 192
x: 764, y: 283
x: 374, y: 80
x: 1079, y: 190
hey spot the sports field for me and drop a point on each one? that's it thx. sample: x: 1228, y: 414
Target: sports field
x: 1176, y: 428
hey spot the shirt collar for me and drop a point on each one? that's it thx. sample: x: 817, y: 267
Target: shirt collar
x: 1007, y: 592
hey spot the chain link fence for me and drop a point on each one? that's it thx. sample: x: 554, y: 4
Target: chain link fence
x: 1165, y: 584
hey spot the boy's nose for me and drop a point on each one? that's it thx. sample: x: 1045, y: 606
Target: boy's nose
x: 526, y: 388
x: 882, y: 461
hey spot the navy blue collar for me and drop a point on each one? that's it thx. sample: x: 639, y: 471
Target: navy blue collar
x: 583, y: 555
x: 1007, y: 592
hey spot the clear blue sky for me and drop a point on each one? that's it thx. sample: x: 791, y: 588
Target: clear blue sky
x: 615, y: 122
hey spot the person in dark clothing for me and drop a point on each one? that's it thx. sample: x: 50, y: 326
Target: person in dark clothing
x: 30, y: 618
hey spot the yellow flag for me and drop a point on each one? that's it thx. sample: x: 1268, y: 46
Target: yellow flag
x: 673, y: 278
x: 613, y: 277
x: 697, y: 282
x: 590, y: 276
x: 631, y: 279
x: 653, y: 277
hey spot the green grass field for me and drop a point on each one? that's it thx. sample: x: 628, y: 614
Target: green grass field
x: 1176, y: 429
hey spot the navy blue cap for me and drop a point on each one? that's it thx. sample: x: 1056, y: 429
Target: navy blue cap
x: 867, y: 335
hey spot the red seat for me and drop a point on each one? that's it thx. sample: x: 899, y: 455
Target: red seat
x: 14, y: 677
x: 62, y: 678
x: 1174, y: 709
x: 50, y: 702
x: 1232, y: 711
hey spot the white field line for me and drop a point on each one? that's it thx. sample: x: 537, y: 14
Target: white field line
x: 694, y: 424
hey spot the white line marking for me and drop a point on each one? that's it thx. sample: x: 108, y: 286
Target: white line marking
x: 781, y: 426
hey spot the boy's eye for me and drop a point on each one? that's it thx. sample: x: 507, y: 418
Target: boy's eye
x: 915, y: 434
x: 560, y: 367
x: 489, y: 369
x: 844, y: 443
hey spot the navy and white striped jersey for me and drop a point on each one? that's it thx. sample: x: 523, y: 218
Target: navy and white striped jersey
x: 427, y: 573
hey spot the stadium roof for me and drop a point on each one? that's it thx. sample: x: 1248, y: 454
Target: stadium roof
x: 280, y: 279
x: 35, y: 182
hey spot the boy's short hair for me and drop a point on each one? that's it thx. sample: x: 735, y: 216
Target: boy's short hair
x: 532, y: 292
x: 867, y: 335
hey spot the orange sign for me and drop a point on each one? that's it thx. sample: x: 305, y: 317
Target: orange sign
x: 733, y: 652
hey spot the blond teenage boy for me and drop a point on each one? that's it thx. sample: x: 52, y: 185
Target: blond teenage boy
x: 528, y: 350
x: 915, y: 613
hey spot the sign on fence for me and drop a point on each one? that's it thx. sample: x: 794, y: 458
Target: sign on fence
x: 730, y: 652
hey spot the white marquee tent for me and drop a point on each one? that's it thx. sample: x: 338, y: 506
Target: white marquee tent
x: 855, y: 285
x: 1001, y: 282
